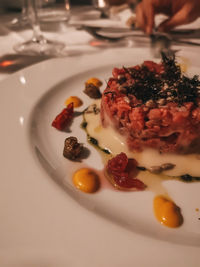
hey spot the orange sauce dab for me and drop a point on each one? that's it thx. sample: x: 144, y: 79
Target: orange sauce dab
x: 95, y: 81
x: 86, y: 180
x: 167, y: 212
x: 75, y: 100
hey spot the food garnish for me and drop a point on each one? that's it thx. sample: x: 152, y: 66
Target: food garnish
x: 92, y: 109
x: 64, y: 118
x: 162, y: 167
x: 95, y: 81
x: 92, y: 88
x: 152, y: 81
x: 75, y: 100
x: 92, y: 91
x: 86, y: 180
x: 122, y: 171
x: 167, y: 212
x: 189, y: 178
x: 72, y: 149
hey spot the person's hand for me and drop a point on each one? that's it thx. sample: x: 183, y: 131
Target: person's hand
x: 178, y: 11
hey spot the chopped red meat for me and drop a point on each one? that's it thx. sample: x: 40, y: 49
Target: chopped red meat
x: 151, y: 109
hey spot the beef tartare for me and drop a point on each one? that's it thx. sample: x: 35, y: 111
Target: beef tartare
x: 154, y: 105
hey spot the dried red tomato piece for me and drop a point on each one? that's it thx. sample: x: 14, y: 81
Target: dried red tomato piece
x: 64, y: 118
x: 131, y: 166
x: 118, y: 163
x: 122, y: 170
x: 126, y: 182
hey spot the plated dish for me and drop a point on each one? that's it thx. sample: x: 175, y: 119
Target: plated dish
x: 51, y: 103
x: 44, y: 100
x: 147, y: 110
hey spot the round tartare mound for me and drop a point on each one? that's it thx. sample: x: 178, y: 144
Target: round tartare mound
x: 154, y: 105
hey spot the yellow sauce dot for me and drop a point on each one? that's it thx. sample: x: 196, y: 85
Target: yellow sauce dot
x: 166, y: 212
x: 86, y: 180
x: 74, y: 99
x: 94, y: 81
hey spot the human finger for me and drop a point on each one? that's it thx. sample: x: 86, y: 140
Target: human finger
x: 140, y: 18
x: 149, y: 14
x: 180, y: 17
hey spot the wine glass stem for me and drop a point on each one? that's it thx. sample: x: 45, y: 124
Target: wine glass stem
x: 33, y: 19
x: 24, y: 10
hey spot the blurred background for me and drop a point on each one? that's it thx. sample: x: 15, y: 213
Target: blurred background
x: 16, y: 4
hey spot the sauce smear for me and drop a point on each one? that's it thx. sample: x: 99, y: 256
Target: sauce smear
x: 75, y: 100
x: 167, y: 212
x: 86, y: 180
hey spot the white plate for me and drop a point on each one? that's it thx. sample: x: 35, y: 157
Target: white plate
x: 40, y: 223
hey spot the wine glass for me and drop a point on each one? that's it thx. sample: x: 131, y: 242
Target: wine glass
x: 53, y: 11
x: 20, y: 20
x: 102, y: 6
x: 38, y: 44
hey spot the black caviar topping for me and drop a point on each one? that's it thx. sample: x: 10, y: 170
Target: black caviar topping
x: 172, y: 71
x: 147, y: 84
x: 170, y: 84
x: 187, y: 89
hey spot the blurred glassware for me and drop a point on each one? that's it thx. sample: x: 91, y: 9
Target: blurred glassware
x: 103, y: 6
x: 20, y: 20
x: 38, y: 44
x: 53, y: 10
